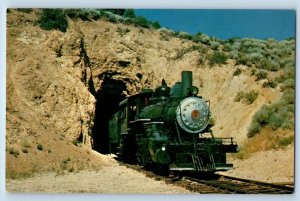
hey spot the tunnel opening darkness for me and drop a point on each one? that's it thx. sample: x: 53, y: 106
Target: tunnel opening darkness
x: 108, y: 98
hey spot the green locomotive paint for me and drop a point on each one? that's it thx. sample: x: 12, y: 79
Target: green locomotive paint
x: 167, y: 128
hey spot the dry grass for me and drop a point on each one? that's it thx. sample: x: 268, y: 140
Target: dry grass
x: 19, y: 175
x: 268, y: 139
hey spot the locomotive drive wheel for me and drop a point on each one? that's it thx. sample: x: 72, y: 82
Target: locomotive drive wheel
x: 159, y: 169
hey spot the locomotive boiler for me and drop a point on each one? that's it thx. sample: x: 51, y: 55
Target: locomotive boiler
x: 169, y: 129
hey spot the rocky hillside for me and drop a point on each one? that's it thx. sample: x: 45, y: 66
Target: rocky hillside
x: 62, y: 86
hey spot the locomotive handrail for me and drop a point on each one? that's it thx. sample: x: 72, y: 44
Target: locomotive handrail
x: 139, y: 120
x: 228, y: 140
x: 154, y: 122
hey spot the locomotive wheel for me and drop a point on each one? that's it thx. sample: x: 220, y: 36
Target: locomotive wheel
x: 163, y: 170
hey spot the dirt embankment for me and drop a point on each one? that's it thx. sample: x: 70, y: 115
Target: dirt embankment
x: 110, y: 178
x: 58, y: 84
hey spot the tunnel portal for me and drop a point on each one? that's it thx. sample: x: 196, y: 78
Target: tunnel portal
x: 108, y: 98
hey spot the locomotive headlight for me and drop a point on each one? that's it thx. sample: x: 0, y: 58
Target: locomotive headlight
x: 163, y: 148
x: 195, y: 114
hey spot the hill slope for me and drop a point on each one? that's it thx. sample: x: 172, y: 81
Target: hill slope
x: 59, y: 85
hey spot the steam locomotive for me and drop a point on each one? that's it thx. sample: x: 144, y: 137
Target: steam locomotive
x: 169, y: 129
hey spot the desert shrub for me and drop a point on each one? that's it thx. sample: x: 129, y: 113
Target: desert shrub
x: 106, y: 14
x: 262, y: 64
x: 72, y: 13
x: 142, y: 21
x: 112, y: 18
x: 13, y: 151
x: 197, y: 38
x: 288, y: 84
x: 255, y: 57
x: 236, y: 45
x: 264, y: 54
x: 11, y: 174
x: 24, y: 150
x: 242, y: 59
x: 261, y: 74
x: 234, y: 54
x: 184, y: 35
x: 250, y: 97
x: 64, y: 163
x: 181, y: 53
x: 129, y: 13
x: 201, y: 38
x: 286, y: 141
x: 273, y: 65
x: 259, y: 120
x: 232, y: 40
x: 26, y: 144
x: 75, y: 142
x: 205, y: 39
x: 237, y: 72
x: 217, y: 58
x: 288, y: 97
x: 254, y: 128
x: 201, y: 60
x: 85, y: 14
x: 166, y: 31
x: 155, y: 25
x: 119, y: 12
x: 214, y: 45
x: 53, y: 19
x: 123, y: 31
x: 39, y: 147
x: 25, y: 10
x: 247, y: 98
x: 239, y: 96
x: 270, y: 84
x: 276, y: 115
x: 192, y: 48
x: 128, y: 21
x: 227, y: 47
x: 71, y: 169
x: 164, y: 37
x: 287, y: 62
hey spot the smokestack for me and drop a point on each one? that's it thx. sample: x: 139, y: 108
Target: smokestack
x: 186, y: 82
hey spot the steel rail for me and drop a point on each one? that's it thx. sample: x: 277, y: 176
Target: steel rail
x: 244, y: 186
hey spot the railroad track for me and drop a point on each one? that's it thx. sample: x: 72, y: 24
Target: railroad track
x: 235, y: 185
x: 218, y: 184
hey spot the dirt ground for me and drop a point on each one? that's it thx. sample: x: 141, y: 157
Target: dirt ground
x: 113, y: 178
x: 273, y: 166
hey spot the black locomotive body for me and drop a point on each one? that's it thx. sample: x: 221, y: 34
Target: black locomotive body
x: 169, y: 129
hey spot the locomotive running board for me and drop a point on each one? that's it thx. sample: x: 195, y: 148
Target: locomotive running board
x: 223, y: 167
x: 182, y: 168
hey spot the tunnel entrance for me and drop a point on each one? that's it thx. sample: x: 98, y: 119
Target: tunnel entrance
x: 108, y: 98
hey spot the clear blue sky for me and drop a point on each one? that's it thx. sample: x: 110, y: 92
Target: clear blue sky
x: 224, y: 24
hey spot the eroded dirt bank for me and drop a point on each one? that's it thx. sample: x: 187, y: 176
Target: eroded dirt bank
x: 61, y: 87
